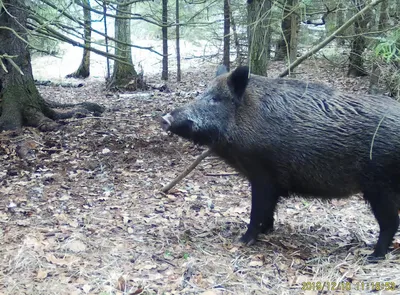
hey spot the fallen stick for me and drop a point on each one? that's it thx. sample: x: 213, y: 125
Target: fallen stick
x: 222, y: 174
x: 186, y: 171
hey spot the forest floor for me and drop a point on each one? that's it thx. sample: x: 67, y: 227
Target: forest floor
x: 81, y: 211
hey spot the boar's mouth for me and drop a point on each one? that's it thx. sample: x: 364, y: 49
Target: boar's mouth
x: 185, y: 128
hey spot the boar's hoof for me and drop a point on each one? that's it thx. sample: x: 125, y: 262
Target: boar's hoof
x: 267, y: 227
x: 250, y: 237
x: 374, y: 259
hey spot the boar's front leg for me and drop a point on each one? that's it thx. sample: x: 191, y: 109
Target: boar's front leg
x: 264, y: 197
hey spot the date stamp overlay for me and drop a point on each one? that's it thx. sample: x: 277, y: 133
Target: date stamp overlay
x: 348, y: 286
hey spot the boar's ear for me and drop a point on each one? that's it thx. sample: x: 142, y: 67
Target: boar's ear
x: 238, y: 79
x: 221, y: 69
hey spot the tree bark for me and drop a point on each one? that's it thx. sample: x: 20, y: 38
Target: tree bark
x: 124, y: 73
x: 106, y: 38
x: 235, y: 36
x: 283, y: 45
x: 227, y: 36
x: 178, y: 50
x: 376, y: 72
x: 259, y: 34
x: 20, y: 101
x: 339, y: 22
x: 356, y: 62
x: 294, y: 31
x: 83, y: 70
x: 164, y: 74
x: 398, y: 10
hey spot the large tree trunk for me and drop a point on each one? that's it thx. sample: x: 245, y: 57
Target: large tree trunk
x: 84, y: 69
x: 124, y: 73
x: 164, y: 74
x: 259, y: 34
x: 356, y: 61
x: 227, y: 36
x: 20, y: 101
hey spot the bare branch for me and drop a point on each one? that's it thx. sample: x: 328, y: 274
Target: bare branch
x: 186, y: 171
x: 329, y: 39
x: 94, y: 30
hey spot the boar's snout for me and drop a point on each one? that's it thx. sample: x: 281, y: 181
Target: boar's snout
x: 177, y: 122
x: 166, y: 121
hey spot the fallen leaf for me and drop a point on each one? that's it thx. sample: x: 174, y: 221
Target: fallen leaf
x: 86, y: 288
x: 256, y: 263
x: 76, y: 246
x: 121, y: 284
x: 138, y: 291
x: 73, y: 223
x: 67, y: 260
x: 211, y: 292
x: 41, y: 274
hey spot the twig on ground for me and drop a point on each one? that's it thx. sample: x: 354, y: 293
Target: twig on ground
x: 186, y: 171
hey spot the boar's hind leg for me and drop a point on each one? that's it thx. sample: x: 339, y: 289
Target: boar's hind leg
x: 386, y: 213
x: 264, y: 197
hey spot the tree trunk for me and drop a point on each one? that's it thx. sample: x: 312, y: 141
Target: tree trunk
x: 164, y: 74
x: 124, y: 73
x: 376, y: 72
x: 294, y: 31
x: 235, y: 36
x: 84, y: 69
x: 227, y: 37
x: 356, y: 62
x: 178, y: 50
x: 340, y: 22
x: 398, y: 10
x: 20, y: 101
x: 259, y: 34
x: 283, y: 45
x: 106, y: 38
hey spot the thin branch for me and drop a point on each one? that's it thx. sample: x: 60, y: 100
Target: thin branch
x: 329, y: 39
x: 96, y: 31
x: 55, y: 34
x: 186, y: 171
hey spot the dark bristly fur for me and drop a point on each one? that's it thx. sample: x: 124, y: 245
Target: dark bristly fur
x: 294, y: 137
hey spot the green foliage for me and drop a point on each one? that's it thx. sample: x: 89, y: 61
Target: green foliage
x: 389, y: 47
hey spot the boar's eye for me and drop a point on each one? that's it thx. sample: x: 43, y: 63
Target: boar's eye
x: 216, y: 98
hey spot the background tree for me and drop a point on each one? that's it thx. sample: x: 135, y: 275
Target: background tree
x: 227, y: 36
x: 178, y: 51
x: 164, y: 73
x: 124, y: 73
x: 358, y: 44
x: 259, y: 35
x: 283, y: 45
x: 21, y: 103
x: 382, y: 25
x: 83, y: 70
